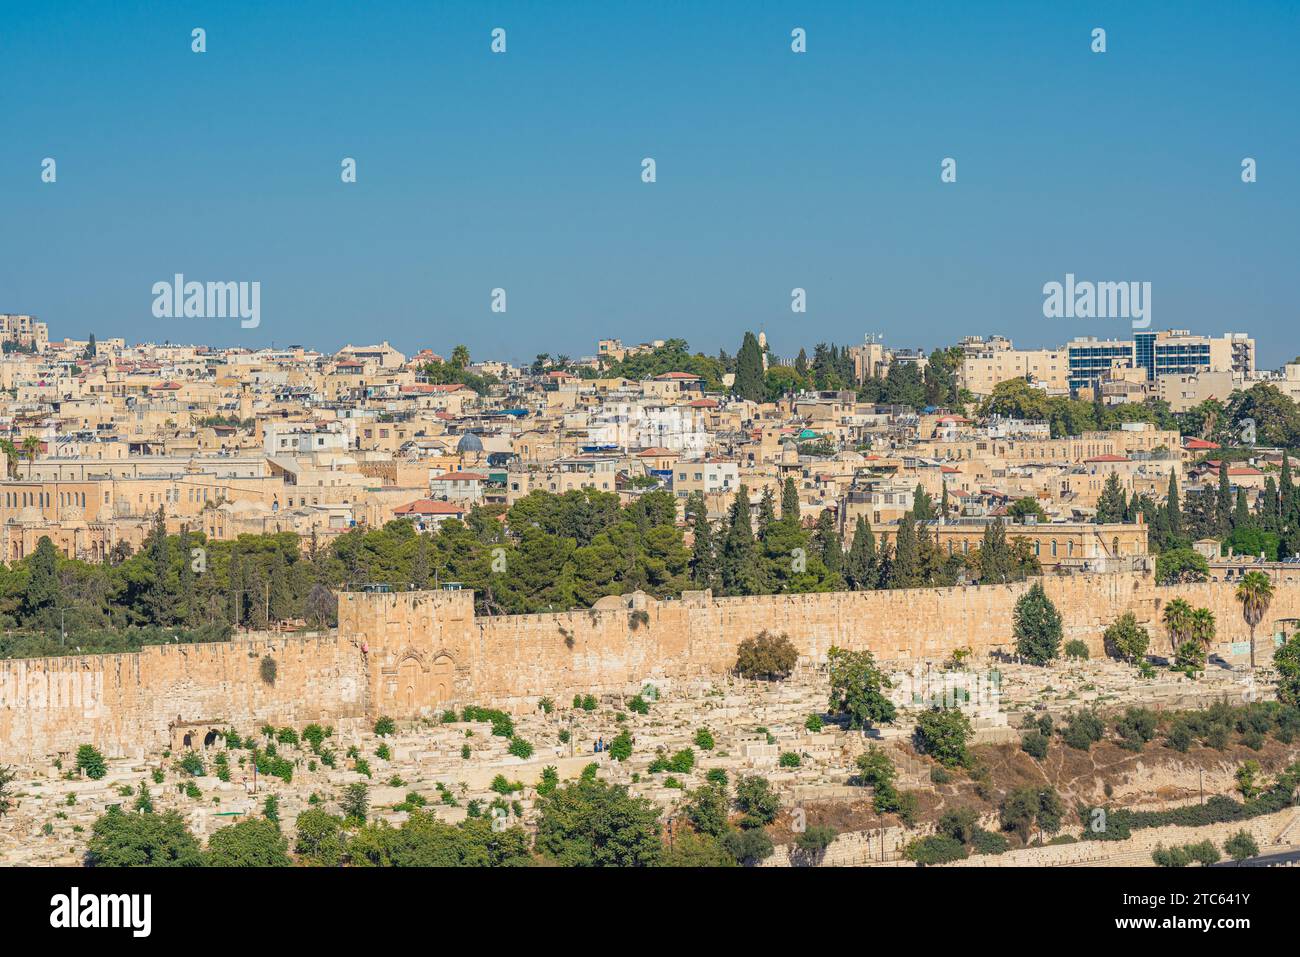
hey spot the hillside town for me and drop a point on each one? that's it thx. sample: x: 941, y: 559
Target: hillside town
x: 828, y: 609
x: 101, y: 435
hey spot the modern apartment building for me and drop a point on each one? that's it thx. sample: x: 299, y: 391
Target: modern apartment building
x: 1171, y: 352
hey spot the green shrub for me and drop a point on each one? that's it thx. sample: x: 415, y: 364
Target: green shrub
x: 1241, y: 846
x: 814, y: 723
x: 621, y: 747
x: 1179, y: 737
x: 384, y: 727
x: 756, y: 800
x: 935, y: 849
x: 1083, y: 729
x: 1136, y: 728
x: 789, y: 759
x: 683, y: 762
x: 90, y: 762
x: 1077, y: 650
x: 704, y: 739
x: 988, y: 842
x: 1034, y: 744
x: 943, y: 734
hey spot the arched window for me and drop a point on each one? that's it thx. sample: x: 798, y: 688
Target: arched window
x: 1053, y: 548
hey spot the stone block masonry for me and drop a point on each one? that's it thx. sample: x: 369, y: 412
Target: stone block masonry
x: 412, y: 654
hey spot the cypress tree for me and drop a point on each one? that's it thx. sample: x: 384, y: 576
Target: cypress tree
x: 1269, y: 517
x: 186, y: 599
x: 749, y: 382
x: 1241, y: 517
x: 861, y: 569
x: 737, y: 564
x: 789, y: 502
x: 704, y: 565
x: 1223, y: 504
x: 903, y: 569
x: 995, y: 556
x: 827, y: 542
x: 1173, y: 516
x: 766, y: 514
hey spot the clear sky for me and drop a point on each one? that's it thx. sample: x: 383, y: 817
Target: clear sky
x: 775, y: 170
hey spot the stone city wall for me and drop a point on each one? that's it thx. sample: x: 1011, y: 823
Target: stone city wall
x: 410, y: 654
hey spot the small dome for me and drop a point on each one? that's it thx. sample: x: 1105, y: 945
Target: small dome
x: 469, y: 442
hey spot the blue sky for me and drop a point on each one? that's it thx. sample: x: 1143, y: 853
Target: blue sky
x: 775, y: 170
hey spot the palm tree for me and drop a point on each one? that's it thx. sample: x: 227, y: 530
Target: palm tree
x: 1178, y: 619
x: 31, y: 445
x: 1202, y: 627
x: 1255, y: 592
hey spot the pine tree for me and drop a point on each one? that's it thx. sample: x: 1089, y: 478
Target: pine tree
x: 749, y: 383
x: 1111, y: 505
x: 862, y: 567
x: 943, y: 503
x: 1037, y: 626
